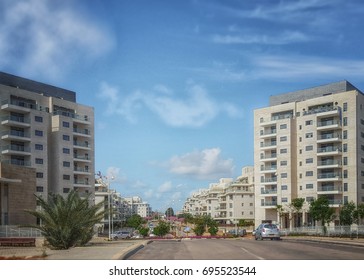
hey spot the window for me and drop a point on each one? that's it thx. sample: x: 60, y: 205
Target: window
x: 284, y: 175
x: 66, y: 190
x: 345, y: 187
x: 345, y: 107
x: 345, y: 199
x: 310, y: 122
x: 345, y: 134
x: 283, y: 151
x: 309, y: 148
x: 283, y: 126
x: 309, y: 135
x: 66, y: 150
x: 250, y: 204
x: 345, y: 159
x: 242, y: 204
x: 309, y: 186
x: 345, y: 121
x: 66, y: 137
x: 283, y: 163
x: 39, y: 189
x: 284, y: 187
x: 309, y: 160
x: 66, y: 164
x: 39, y: 133
x: 345, y: 148
x: 39, y: 147
x: 39, y: 175
x: 38, y: 161
x: 309, y: 198
x: 66, y: 177
x: 283, y: 138
x: 242, y: 213
x: 284, y: 199
x: 38, y: 118
x: 345, y: 174
x: 309, y: 173
x: 230, y: 205
x: 251, y: 212
x: 65, y: 124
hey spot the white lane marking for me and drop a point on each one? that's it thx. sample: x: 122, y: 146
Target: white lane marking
x: 254, y: 255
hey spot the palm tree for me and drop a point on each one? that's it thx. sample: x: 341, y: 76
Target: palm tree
x: 67, y: 222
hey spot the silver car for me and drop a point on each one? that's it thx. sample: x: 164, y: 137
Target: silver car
x: 121, y: 235
x: 267, y: 230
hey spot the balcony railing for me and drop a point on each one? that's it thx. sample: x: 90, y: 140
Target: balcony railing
x: 269, y: 203
x: 330, y: 188
x: 330, y: 175
x: 328, y: 123
x: 329, y: 149
x: 268, y: 180
x: 16, y: 148
x: 16, y: 133
x: 268, y: 191
x: 15, y: 119
x: 329, y: 162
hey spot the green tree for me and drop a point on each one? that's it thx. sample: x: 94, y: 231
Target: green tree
x: 296, y: 206
x: 162, y: 228
x: 144, y: 231
x: 169, y: 212
x: 213, y: 227
x: 320, y: 210
x: 67, y: 222
x: 135, y: 221
x: 346, y: 214
x: 358, y: 213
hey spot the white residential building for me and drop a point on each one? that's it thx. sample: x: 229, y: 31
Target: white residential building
x: 309, y: 143
x: 46, y: 134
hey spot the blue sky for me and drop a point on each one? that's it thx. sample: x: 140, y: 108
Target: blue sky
x: 174, y: 83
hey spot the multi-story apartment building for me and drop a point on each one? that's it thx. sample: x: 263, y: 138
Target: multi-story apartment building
x: 309, y: 143
x: 137, y: 206
x: 227, y: 201
x: 47, y: 145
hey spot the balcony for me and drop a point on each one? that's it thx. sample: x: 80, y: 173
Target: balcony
x: 330, y: 150
x: 268, y: 204
x: 81, y: 132
x: 81, y: 183
x: 15, y: 150
x: 267, y: 158
x: 330, y: 189
x: 268, y: 181
x: 268, y: 133
x: 15, y: 121
x: 329, y: 163
x: 82, y: 171
x: 331, y: 124
x: 82, y: 145
x: 268, y: 191
x: 17, y: 162
x: 15, y: 135
x: 331, y: 176
x: 268, y: 145
x: 268, y: 169
x: 329, y: 138
x: 81, y: 158
x: 323, y: 111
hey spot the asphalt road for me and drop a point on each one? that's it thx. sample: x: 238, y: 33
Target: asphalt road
x: 246, y: 249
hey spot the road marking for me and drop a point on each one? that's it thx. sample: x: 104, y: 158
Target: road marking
x: 254, y: 255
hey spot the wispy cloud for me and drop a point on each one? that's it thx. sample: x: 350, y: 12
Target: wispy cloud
x: 287, y: 37
x: 205, y: 164
x: 195, y: 109
x: 267, y: 66
x: 39, y: 37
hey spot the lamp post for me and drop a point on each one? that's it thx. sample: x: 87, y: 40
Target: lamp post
x: 109, y: 204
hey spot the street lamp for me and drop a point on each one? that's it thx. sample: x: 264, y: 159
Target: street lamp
x: 109, y: 204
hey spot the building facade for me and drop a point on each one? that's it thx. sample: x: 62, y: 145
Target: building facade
x: 43, y: 129
x: 308, y: 144
x: 227, y: 201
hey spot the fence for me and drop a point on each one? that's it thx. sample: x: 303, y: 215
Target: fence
x: 16, y: 231
x: 340, y: 231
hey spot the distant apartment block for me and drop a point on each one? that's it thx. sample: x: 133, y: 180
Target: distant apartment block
x: 309, y: 143
x: 138, y: 206
x: 227, y: 201
x: 47, y: 145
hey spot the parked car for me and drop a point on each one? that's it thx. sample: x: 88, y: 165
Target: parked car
x: 267, y: 230
x: 120, y: 235
x: 240, y: 232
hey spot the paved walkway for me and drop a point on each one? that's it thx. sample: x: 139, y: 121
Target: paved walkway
x: 97, y: 249
x: 101, y: 249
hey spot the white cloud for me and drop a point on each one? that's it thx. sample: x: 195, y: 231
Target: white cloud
x: 205, y: 164
x: 287, y: 37
x: 38, y: 37
x: 308, y: 66
x: 165, y: 187
x: 195, y: 109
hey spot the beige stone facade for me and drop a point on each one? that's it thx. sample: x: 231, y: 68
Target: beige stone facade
x: 307, y: 144
x: 44, y: 130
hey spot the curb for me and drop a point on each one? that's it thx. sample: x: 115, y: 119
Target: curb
x: 131, y: 251
x: 343, y: 242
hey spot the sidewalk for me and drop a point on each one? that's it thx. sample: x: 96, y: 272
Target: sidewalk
x: 97, y: 249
